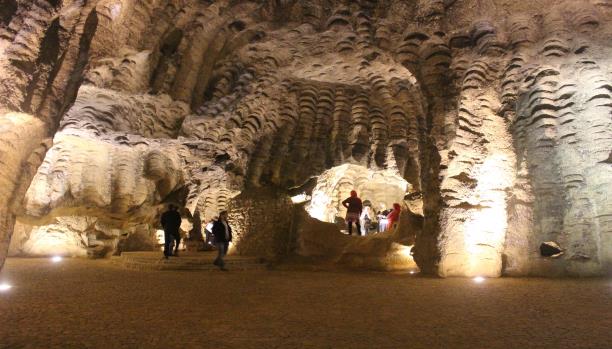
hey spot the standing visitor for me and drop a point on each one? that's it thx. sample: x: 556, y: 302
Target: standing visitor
x: 382, y: 221
x: 393, y: 217
x: 171, y: 221
x: 353, y: 211
x: 223, y: 235
x: 366, y: 217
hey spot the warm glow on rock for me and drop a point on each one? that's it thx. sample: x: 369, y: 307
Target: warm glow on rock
x: 485, y: 230
x: 55, y: 240
x: 488, y: 121
x: 478, y: 279
x: 381, y: 188
x: 474, y: 230
x: 400, y: 257
x: 159, y: 235
x: 405, y: 251
x: 297, y: 199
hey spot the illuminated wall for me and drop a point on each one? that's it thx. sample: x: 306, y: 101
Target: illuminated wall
x: 497, y: 113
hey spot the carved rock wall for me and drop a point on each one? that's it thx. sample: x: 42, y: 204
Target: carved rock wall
x: 497, y: 112
x: 261, y: 222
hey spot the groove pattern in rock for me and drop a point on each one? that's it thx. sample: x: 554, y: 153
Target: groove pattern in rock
x: 502, y: 122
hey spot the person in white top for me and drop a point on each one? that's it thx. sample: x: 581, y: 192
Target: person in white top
x: 366, y: 219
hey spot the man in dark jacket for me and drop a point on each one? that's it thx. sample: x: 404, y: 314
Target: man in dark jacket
x: 223, y: 235
x: 171, y: 221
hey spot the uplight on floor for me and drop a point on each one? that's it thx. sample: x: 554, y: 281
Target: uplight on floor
x: 56, y: 259
x: 5, y: 287
x: 478, y: 279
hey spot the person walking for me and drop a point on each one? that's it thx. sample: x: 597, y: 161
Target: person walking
x: 353, y: 211
x: 223, y: 235
x: 171, y: 222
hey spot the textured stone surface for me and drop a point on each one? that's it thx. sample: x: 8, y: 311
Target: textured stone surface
x: 323, y: 241
x: 80, y: 236
x: 261, y: 222
x: 496, y: 113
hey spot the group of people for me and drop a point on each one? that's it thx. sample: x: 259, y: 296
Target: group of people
x: 220, y: 233
x: 220, y: 230
x: 355, y: 211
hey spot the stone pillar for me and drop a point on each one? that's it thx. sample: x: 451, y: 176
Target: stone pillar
x: 261, y: 223
x: 21, y: 134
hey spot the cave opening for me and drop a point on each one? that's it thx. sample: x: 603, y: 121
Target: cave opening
x: 323, y: 234
x: 378, y: 190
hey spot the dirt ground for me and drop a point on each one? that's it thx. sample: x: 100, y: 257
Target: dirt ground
x: 91, y: 304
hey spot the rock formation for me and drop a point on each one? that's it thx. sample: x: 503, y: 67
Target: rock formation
x: 496, y: 114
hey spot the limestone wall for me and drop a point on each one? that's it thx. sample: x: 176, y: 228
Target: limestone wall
x: 497, y: 112
x: 262, y: 224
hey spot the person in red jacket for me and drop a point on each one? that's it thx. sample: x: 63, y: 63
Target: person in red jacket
x: 353, y: 211
x: 393, y: 216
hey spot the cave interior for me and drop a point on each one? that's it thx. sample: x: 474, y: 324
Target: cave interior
x: 489, y: 122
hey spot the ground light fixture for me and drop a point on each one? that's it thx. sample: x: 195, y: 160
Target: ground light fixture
x: 56, y: 259
x: 5, y: 287
x: 478, y: 279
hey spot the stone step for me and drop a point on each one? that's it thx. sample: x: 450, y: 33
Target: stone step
x: 186, y: 261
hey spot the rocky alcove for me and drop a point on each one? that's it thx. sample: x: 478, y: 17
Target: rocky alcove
x: 491, y: 118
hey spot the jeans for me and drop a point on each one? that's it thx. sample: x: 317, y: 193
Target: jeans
x: 222, y: 251
x: 169, y: 238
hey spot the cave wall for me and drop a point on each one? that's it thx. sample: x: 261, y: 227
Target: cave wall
x: 261, y: 222
x: 497, y: 112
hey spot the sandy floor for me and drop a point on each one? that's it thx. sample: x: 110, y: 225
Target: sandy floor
x: 90, y: 304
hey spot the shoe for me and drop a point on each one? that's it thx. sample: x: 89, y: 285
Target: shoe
x: 216, y: 262
x: 224, y: 269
